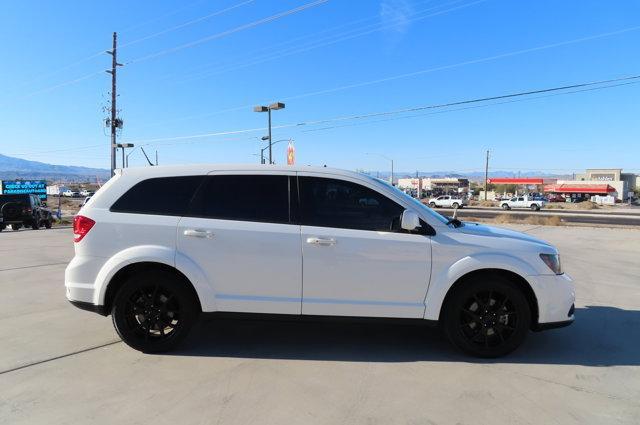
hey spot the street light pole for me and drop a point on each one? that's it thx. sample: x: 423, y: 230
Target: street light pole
x: 270, y: 151
x: 123, y: 146
x: 273, y: 107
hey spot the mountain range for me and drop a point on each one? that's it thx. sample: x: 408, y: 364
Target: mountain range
x: 17, y: 168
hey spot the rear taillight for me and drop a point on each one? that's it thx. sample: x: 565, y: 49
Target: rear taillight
x: 81, y: 226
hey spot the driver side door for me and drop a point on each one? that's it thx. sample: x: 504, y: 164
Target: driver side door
x: 356, y: 259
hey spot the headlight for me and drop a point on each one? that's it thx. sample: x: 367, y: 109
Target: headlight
x: 553, y: 262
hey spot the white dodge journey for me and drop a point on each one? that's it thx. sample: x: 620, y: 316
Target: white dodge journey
x: 157, y: 246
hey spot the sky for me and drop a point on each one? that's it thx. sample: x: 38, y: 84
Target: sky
x: 194, y: 69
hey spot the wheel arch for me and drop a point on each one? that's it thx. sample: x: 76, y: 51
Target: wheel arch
x: 512, y: 277
x: 121, y: 276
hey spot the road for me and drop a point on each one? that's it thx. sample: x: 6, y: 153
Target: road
x: 567, y: 216
x: 61, y: 365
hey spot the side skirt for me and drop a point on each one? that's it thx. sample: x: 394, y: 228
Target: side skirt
x: 223, y: 315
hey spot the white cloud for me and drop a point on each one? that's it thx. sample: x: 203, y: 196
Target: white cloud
x: 394, y: 15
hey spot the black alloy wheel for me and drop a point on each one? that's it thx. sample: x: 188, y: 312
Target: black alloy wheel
x: 487, y: 318
x: 154, y: 312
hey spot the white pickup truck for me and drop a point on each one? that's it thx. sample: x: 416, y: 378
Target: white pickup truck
x: 447, y: 201
x: 533, y: 204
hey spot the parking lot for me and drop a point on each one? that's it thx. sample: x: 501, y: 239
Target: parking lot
x: 61, y: 365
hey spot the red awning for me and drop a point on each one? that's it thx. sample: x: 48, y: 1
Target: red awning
x: 573, y: 188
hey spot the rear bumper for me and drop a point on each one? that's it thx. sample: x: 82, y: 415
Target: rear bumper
x: 100, y: 309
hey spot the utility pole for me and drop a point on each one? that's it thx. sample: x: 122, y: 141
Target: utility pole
x: 114, y: 122
x: 486, y: 175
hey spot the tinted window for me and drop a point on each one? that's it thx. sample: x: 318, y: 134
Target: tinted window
x: 263, y: 198
x: 342, y: 204
x: 161, y: 196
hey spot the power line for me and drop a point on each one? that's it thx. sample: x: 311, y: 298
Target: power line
x: 328, y: 40
x: 405, y: 110
x: 471, y: 107
x: 186, y: 24
x: 100, y: 53
x: 412, y: 74
x: 230, y: 31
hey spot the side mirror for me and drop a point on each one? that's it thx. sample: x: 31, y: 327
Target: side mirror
x: 409, y: 220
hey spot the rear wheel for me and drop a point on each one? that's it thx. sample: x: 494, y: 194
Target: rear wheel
x: 487, y: 317
x: 48, y: 223
x: 455, y: 205
x: 535, y: 207
x: 432, y: 204
x: 153, y: 312
x: 35, y: 224
x: 15, y: 227
x: 505, y: 207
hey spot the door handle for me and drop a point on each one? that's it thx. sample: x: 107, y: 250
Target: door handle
x: 197, y: 233
x: 321, y: 241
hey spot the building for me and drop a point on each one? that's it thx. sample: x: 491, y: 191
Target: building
x: 598, y: 181
x: 435, y: 185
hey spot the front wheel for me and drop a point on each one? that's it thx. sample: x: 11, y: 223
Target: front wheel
x: 487, y: 317
x: 455, y: 205
x: 15, y: 227
x: 432, y: 204
x: 505, y: 207
x: 535, y: 207
x: 153, y: 312
x: 48, y: 223
x: 35, y: 224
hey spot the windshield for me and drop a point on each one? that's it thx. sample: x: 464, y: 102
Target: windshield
x: 417, y: 202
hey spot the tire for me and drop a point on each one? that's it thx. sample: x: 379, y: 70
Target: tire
x: 35, y: 224
x: 432, y: 204
x: 48, y: 223
x: 168, y: 299
x: 505, y: 207
x: 455, y: 205
x: 15, y: 227
x: 484, y: 334
x: 535, y: 207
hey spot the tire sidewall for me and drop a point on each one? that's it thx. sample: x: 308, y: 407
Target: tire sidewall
x: 189, y: 311
x: 462, y: 294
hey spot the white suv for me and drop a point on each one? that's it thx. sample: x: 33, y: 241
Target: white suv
x: 157, y: 246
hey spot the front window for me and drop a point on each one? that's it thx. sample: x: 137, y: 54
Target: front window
x: 416, y: 202
x: 328, y: 202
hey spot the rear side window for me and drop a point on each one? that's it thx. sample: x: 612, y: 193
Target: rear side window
x: 341, y: 204
x: 159, y: 196
x: 261, y: 198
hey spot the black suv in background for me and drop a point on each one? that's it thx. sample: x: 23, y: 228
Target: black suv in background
x: 23, y: 210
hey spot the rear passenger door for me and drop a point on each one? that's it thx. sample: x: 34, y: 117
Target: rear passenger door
x: 239, y: 232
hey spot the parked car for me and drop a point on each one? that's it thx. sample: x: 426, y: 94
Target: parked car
x: 532, y: 203
x: 86, y: 193
x: 447, y: 201
x: 556, y: 198
x: 71, y: 193
x: 26, y: 210
x: 362, y: 248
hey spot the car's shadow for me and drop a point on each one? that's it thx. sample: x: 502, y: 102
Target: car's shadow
x: 601, y: 336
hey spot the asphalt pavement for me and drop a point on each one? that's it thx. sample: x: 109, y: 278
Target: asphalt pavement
x: 61, y: 365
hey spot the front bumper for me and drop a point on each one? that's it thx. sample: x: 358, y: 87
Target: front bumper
x: 556, y: 297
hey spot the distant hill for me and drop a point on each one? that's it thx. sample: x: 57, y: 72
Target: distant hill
x: 17, y: 168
